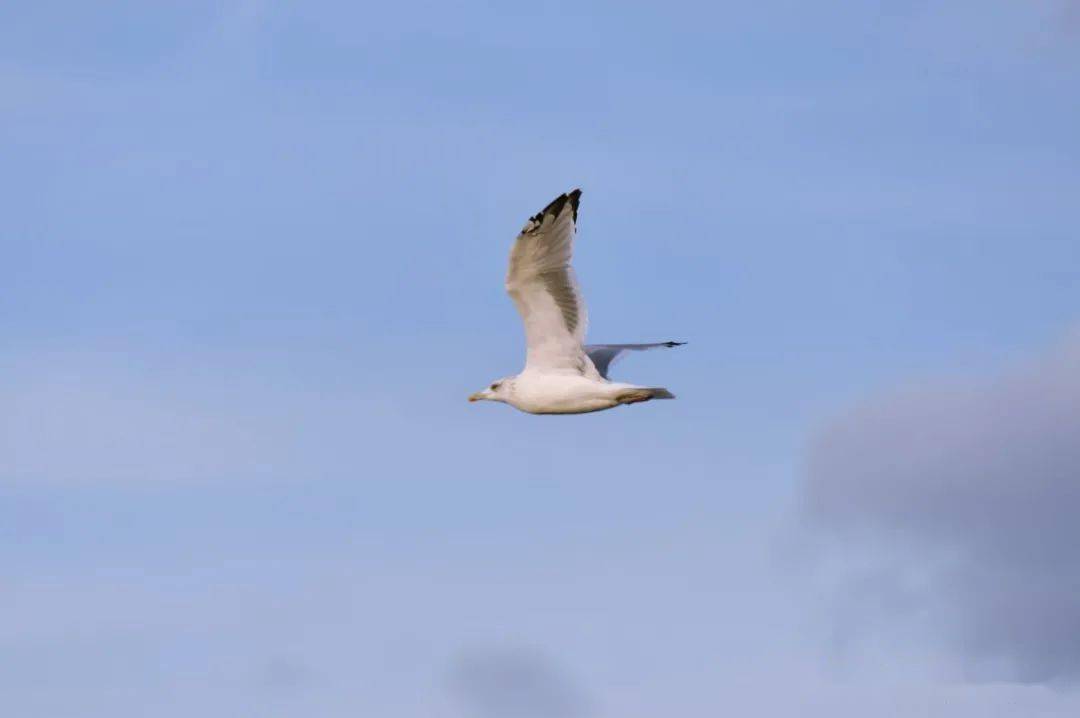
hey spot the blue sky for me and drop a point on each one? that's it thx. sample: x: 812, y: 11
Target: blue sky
x: 253, y: 260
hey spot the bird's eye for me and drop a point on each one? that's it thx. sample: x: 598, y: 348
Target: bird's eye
x: 495, y: 386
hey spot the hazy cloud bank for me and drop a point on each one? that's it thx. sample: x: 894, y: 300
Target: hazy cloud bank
x: 975, y: 484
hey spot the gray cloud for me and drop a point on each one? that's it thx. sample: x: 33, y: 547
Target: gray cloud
x: 515, y: 683
x: 975, y: 486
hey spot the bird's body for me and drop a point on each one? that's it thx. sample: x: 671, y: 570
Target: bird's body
x: 540, y: 392
x: 562, y: 375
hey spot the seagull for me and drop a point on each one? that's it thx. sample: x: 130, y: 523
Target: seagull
x: 562, y: 375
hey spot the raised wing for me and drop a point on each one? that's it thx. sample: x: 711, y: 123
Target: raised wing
x: 542, y: 284
x: 603, y: 356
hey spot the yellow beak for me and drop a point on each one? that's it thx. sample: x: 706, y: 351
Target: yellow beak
x: 476, y: 397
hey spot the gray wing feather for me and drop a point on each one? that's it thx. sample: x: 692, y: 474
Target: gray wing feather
x: 603, y: 356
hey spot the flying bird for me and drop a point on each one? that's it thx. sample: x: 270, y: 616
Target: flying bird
x: 562, y: 374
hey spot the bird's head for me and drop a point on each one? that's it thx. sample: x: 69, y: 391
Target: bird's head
x: 498, y: 391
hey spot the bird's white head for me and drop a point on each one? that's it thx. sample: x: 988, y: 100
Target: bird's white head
x: 498, y: 391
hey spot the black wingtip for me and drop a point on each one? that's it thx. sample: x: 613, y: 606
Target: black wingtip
x: 574, y: 196
x: 556, y: 206
x: 674, y: 344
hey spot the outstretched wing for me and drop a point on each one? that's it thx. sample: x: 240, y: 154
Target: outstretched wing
x: 542, y: 284
x: 603, y: 356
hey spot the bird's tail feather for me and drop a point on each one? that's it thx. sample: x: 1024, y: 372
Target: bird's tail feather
x: 644, y: 393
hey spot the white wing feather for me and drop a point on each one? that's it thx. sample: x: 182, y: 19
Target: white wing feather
x: 542, y: 284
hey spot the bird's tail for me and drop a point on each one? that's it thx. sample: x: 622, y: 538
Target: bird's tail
x: 644, y: 393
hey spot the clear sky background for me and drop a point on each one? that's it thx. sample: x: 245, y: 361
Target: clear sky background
x: 251, y: 262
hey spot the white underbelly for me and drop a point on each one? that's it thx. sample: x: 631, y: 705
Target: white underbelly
x: 559, y: 394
